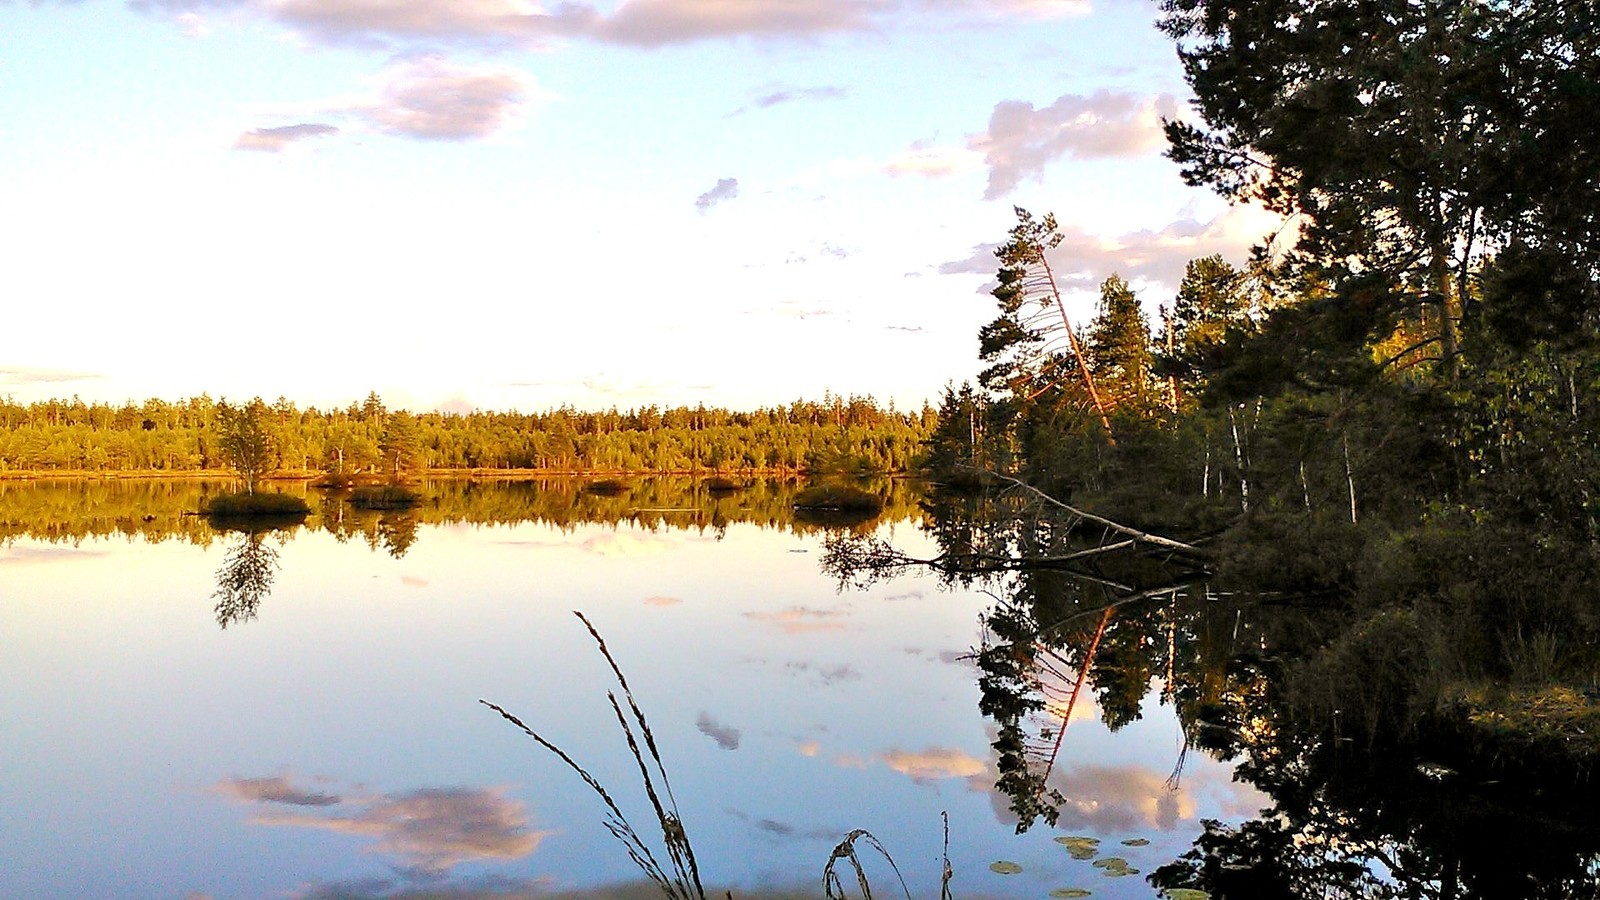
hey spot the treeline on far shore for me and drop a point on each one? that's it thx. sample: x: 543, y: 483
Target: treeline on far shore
x: 835, y: 434
x: 70, y: 510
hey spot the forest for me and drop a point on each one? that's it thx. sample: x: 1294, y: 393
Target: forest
x: 367, y: 438
x: 1409, y: 370
x: 1378, y: 436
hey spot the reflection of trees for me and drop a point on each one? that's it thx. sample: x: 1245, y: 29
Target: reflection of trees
x: 1377, y: 788
x: 1340, y: 814
x: 1354, y: 814
x: 162, y: 509
x: 244, y: 579
x: 397, y: 531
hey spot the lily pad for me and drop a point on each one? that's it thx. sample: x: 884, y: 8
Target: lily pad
x: 1080, y: 847
x: 1136, y: 842
x: 1004, y: 867
x: 1115, y: 866
x: 1070, y: 892
x: 1186, y: 894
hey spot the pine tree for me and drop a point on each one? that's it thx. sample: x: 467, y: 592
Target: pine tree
x: 1119, y: 342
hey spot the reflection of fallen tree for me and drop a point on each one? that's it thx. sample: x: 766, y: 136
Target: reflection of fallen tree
x: 1131, y: 536
x: 1072, y: 699
x: 863, y: 559
x: 1053, y: 535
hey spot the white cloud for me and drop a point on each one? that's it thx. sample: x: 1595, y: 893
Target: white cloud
x: 778, y: 96
x: 1157, y: 258
x: 934, y: 763
x: 432, y: 829
x: 640, y: 23
x: 275, y: 140
x: 789, y: 95
x: 622, y: 543
x: 275, y: 789
x: 726, y: 736
x: 933, y: 161
x: 23, y: 375
x: 1022, y: 140
x: 725, y: 189
x: 802, y: 620
x: 426, y: 98
x: 193, y: 25
x: 339, y: 21
x: 432, y: 99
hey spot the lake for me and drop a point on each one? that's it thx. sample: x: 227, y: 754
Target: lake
x: 193, y: 712
x: 326, y: 739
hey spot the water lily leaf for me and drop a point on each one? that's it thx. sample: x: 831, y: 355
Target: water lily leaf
x: 1070, y: 892
x: 1186, y: 894
x: 1080, y: 847
x: 1111, y: 862
x: 1004, y: 867
x: 1136, y: 842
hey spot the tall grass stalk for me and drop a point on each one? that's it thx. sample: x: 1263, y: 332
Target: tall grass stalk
x: 684, y: 881
x: 833, y: 884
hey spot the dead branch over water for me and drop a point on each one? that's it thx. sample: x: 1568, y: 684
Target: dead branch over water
x: 864, y: 559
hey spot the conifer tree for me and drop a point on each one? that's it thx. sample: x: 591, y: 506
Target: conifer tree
x: 1119, y: 341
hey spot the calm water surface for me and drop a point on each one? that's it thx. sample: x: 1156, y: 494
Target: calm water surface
x: 328, y: 740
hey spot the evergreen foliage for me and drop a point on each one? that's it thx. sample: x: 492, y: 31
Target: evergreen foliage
x: 367, y: 439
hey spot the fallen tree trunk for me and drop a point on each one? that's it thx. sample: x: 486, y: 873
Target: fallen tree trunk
x: 1134, y: 535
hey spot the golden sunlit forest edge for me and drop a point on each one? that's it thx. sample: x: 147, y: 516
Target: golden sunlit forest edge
x: 367, y: 441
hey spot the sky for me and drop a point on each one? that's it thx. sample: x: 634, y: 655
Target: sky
x: 497, y: 204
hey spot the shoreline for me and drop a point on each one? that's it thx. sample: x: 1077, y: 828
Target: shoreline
x: 495, y: 474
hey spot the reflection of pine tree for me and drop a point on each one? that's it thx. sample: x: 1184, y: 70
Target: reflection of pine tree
x: 244, y: 580
x: 397, y: 532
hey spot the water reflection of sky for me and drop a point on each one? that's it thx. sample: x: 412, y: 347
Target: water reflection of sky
x: 333, y: 745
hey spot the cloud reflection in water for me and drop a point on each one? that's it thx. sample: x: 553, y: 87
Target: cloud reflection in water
x: 430, y: 829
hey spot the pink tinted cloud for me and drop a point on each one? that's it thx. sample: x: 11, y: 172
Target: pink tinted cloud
x: 1022, y: 140
x: 276, y: 140
x: 640, y: 23
x: 365, y: 21
x: 1085, y: 259
x: 802, y: 620
x: 432, y: 829
x: 432, y: 99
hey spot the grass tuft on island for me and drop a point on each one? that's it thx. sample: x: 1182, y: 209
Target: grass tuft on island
x: 840, y: 498
x: 384, y: 496
x: 606, y: 487
x: 719, y: 484
x: 255, y: 508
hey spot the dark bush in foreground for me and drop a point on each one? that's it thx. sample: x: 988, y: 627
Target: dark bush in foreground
x: 236, y: 507
x: 386, y: 496
x: 838, y: 497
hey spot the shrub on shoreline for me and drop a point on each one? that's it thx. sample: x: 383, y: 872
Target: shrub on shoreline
x: 838, y: 497
x: 384, y: 496
x: 606, y: 487
x: 244, y: 506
